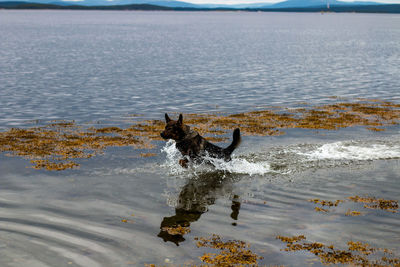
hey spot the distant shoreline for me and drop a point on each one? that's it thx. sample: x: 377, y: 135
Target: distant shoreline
x: 384, y: 8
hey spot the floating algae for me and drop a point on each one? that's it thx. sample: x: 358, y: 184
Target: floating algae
x: 147, y: 155
x: 53, y: 147
x: 369, y: 203
x: 352, y: 213
x: 176, y: 230
x: 377, y: 203
x: 232, y: 252
x: 356, y: 254
x: 56, y: 145
x: 326, y: 202
x: 320, y: 209
x: 273, y: 121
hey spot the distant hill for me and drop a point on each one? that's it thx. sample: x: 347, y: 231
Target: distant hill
x: 11, y: 4
x: 169, y: 3
x: 302, y: 3
x: 175, y: 5
x: 317, y: 3
x: 181, y: 4
x: 380, y: 8
x: 27, y: 5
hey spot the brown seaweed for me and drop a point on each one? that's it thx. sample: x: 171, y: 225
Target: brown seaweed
x: 356, y: 254
x: 56, y: 146
x: 377, y: 203
x: 231, y: 252
x: 369, y: 203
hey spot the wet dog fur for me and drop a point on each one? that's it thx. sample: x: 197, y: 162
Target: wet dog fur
x: 192, y: 145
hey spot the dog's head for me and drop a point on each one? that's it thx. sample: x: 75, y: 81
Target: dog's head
x: 175, y: 130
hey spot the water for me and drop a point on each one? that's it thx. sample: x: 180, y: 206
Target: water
x: 102, y: 67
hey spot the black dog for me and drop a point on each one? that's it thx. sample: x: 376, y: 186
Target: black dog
x: 191, y: 144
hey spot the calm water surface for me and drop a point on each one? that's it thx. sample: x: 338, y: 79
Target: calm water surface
x: 103, y: 67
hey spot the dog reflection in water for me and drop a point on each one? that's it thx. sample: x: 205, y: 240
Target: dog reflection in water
x: 193, y: 201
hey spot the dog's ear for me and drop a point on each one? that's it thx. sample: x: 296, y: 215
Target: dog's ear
x: 180, y: 120
x: 167, y: 119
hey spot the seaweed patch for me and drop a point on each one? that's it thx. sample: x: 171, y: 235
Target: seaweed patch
x: 231, y: 253
x: 326, y: 202
x: 176, y: 230
x: 352, y: 213
x: 56, y: 146
x: 147, y: 155
x: 356, y: 253
x: 369, y: 203
x: 320, y: 209
x: 377, y: 203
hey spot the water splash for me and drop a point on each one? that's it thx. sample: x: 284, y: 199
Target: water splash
x: 237, y: 165
x: 289, y: 159
x: 353, y: 150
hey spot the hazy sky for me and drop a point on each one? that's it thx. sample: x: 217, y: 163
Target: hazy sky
x: 267, y: 1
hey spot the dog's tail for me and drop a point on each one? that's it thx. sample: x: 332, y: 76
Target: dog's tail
x: 235, y: 142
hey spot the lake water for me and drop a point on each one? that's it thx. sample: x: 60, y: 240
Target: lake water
x: 103, y: 67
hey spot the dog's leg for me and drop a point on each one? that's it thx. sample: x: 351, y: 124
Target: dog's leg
x: 183, y: 163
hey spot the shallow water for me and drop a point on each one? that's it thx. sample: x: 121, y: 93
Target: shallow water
x: 90, y: 66
x: 102, y: 67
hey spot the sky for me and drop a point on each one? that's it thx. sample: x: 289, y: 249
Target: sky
x: 269, y: 1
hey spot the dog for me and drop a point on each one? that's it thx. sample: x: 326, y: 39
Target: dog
x: 192, y: 145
